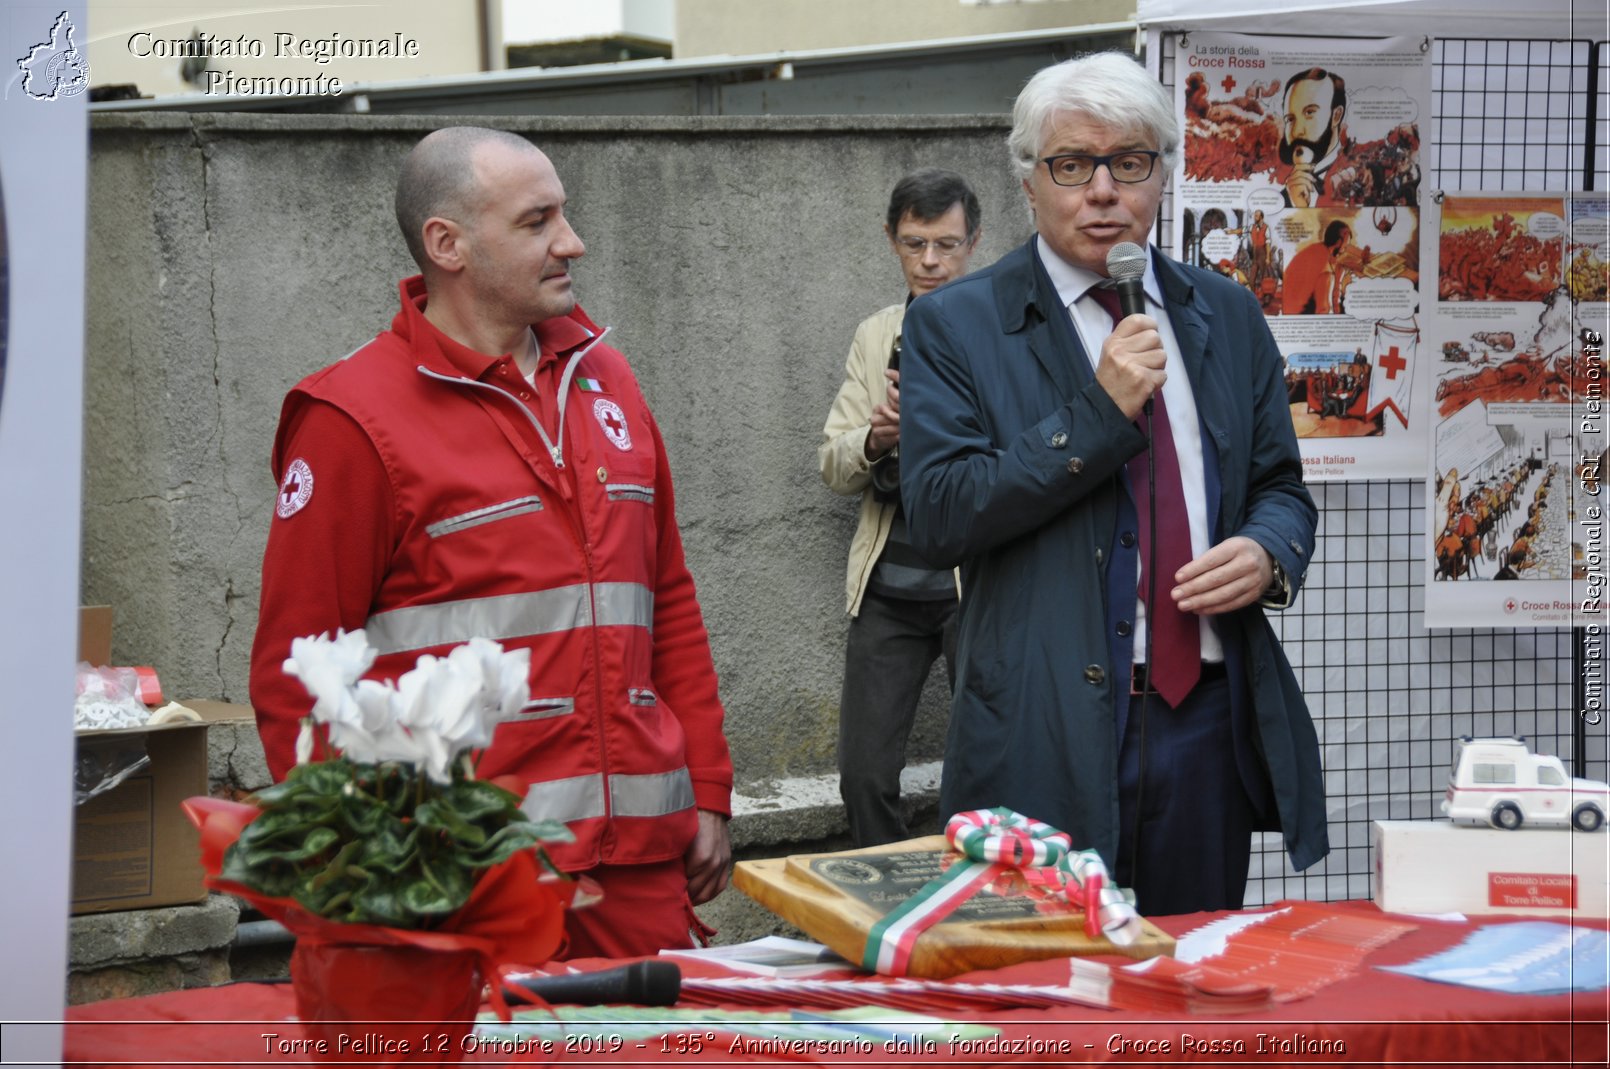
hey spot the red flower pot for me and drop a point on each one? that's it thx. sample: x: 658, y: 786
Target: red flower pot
x: 386, y: 1005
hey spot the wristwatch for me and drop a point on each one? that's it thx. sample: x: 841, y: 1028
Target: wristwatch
x: 1277, y: 595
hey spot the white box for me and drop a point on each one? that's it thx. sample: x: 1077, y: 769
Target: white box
x: 1431, y: 866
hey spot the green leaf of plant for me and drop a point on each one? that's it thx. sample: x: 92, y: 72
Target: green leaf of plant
x: 477, y: 799
x: 551, y: 831
x: 381, y: 905
x: 441, y: 892
x: 314, y: 843
x: 439, y: 815
x: 337, y: 867
x: 388, y: 850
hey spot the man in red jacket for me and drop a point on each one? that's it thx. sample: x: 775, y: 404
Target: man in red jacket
x: 488, y: 467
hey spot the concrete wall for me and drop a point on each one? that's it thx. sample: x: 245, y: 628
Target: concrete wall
x: 230, y: 255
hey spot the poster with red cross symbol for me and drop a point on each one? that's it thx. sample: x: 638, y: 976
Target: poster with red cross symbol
x: 1300, y: 178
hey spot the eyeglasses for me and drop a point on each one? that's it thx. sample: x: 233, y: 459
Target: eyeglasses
x: 945, y: 247
x: 1075, y: 169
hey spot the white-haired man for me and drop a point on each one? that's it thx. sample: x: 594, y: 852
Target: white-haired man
x: 1123, y: 494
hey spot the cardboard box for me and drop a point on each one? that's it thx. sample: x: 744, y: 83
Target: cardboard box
x: 95, y: 634
x: 133, y: 847
x: 1431, y: 866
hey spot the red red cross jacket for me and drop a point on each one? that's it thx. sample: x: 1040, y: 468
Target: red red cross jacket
x: 430, y: 494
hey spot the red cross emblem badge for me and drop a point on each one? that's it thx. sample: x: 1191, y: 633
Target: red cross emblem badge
x: 295, y: 489
x: 613, y: 420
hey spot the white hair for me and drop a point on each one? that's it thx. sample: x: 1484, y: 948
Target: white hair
x: 1108, y: 87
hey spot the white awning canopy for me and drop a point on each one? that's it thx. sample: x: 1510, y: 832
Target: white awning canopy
x: 1537, y: 20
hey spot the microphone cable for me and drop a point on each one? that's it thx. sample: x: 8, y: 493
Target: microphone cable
x: 1151, y: 620
x: 1126, y: 267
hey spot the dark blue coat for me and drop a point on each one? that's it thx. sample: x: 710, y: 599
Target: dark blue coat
x: 1012, y: 459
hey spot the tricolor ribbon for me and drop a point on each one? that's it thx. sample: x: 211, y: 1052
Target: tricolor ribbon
x: 992, y: 842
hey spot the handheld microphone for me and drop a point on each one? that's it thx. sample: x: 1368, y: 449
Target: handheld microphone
x: 642, y: 983
x: 1126, y: 266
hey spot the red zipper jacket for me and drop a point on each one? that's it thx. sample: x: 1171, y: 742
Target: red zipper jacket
x: 430, y: 494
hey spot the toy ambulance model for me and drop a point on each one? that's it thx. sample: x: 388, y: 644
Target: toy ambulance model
x: 1502, y: 783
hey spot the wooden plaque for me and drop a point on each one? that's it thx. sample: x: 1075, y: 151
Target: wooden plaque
x: 837, y: 898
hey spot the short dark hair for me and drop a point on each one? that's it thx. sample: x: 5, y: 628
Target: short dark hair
x: 1338, y: 88
x: 931, y: 192
x: 438, y: 178
x: 1334, y: 233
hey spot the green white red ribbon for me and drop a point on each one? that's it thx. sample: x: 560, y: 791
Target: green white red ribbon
x: 992, y: 841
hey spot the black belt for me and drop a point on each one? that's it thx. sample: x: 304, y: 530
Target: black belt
x: 1140, y: 677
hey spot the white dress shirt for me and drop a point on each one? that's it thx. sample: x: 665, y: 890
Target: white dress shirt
x: 1093, y: 324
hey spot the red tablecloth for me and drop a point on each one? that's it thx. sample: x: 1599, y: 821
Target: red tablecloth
x: 1369, y: 1018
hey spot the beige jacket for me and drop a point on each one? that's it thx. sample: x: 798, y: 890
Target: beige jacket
x: 842, y: 454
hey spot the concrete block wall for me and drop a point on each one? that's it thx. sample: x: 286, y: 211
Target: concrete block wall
x: 230, y: 255
x: 145, y: 951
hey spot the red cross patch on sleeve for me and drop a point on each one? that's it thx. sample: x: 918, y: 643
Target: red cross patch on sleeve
x: 295, y: 489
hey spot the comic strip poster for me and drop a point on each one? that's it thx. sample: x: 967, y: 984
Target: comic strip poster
x: 1514, y: 522
x: 1300, y: 179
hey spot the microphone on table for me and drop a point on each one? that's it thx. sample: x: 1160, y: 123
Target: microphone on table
x: 642, y: 983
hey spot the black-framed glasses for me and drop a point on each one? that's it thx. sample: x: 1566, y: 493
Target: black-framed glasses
x: 1075, y: 169
x: 945, y: 247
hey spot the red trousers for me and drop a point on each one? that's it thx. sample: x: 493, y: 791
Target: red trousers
x: 645, y: 909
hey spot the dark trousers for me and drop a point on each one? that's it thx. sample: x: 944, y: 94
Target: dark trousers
x: 1194, y: 841
x: 892, y: 645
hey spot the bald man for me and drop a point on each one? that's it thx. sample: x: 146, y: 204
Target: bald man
x: 488, y: 467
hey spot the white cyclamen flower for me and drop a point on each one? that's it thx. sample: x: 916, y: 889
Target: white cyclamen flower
x: 439, y: 699
x: 507, y: 678
x: 328, y: 668
x: 440, y: 708
x: 377, y: 735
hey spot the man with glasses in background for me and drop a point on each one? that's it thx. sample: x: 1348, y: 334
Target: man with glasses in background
x: 902, y: 609
x: 1122, y: 490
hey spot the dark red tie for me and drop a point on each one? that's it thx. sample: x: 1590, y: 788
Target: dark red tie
x: 1176, y: 655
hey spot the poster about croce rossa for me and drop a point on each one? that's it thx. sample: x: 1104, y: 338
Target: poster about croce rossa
x: 1514, y: 516
x: 1300, y: 178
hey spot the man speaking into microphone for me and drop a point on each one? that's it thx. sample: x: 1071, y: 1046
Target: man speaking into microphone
x: 1122, y: 490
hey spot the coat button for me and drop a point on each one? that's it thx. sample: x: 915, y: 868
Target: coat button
x: 1059, y: 439
x: 1126, y: 539
x: 603, y: 475
x: 1124, y: 628
x: 1101, y: 554
x: 1095, y: 674
x: 1075, y: 465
